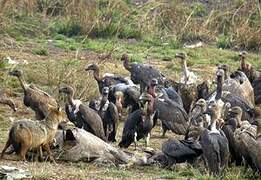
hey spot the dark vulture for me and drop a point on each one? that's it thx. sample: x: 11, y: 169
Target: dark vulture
x: 171, y: 114
x: 257, y: 90
x: 140, y: 122
x: 9, y: 102
x: 214, y: 144
x: 35, y: 98
x: 142, y: 74
x: 232, y: 121
x: 107, y: 80
x: 109, y: 114
x: 166, y: 93
x: 124, y: 96
x: 82, y: 116
x: 245, y: 137
x: 180, y: 151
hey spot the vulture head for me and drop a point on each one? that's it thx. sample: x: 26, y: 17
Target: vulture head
x: 124, y: 57
x: 146, y: 104
x: 66, y: 90
x: 92, y: 67
x: 17, y: 73
x: 236, y: 112
x: 181, y: 55
x: 242, y: 54
x: 225, y: 67
x: 202, y: 104
x: 9, y: 102
x: 105, y: 91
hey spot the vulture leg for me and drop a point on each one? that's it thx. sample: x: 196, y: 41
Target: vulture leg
x: 147, y: 139
x: 163, y: 130
x: 135, y: 140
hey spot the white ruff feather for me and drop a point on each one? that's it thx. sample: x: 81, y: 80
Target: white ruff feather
x: 76, y: 104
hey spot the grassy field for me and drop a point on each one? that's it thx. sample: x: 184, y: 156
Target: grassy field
x: 53, y: 47
x: 49, y: 63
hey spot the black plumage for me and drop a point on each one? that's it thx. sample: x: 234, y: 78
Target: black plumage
x: 257, y: 90
x: 142, y: 74
x: 139, y: 123
x: 107, y: 80
x: 231, y: 123
x: 81, y: 115
x: 172, y: 116
x: 179, y: 151
x: 110, y: 116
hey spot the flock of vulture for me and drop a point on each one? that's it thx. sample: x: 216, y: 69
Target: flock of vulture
x: 219, y: 127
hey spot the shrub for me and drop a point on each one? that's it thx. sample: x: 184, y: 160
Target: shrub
x: 224, y: 42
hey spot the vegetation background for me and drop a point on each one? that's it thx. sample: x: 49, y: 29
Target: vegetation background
x: 53, y: 40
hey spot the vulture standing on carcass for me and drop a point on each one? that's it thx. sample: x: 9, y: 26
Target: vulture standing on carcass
x: 232, y: 121
x: 245, y: 137
x: 82, y: 116
x: 140, y: 122
x: 110, y: 116
x: 142, y: 74
x: 9, y: 102
x: 35, y: 98
x: 107, y: 80
x: 214, y: 144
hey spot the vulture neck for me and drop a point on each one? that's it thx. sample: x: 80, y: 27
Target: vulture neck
x: 103, y: 101
x: 70, y: 98
x: 22, y: 82
x: 126, y: 64
x: 219, y: 87
x: 185, y: 70
x: 226, y: 74
x: 96, y: 75
x: 243, y: 63
x: 152, y: 91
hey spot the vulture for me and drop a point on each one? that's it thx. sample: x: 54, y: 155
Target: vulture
x: 180, y: 151
x: 140, y: 122
x: 197, y: 111
x: 257, y: 90
x: 187, y: 88
x: 109, y: 115
x: 245, y: 137
x: 171, y: 114
x: 238, y: 84
x: 35, y: 98
x: 232, y: 121
x: 245, y: 67
x: 167, y: 93
x: 225, y: 96
x: 142, y: 74
x: 82, y: 116
x: 124, y: 96
x: 9, y: 102
x: 214, y: 144
x: 107, y: 80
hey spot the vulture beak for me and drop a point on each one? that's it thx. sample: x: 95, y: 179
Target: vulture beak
x: 88, y: 68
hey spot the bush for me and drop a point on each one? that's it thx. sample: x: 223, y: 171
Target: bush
x: 224, y: 42
x: 40, y: 52
x: 67, y: 28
